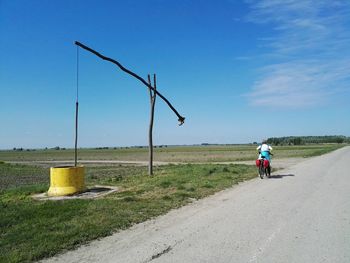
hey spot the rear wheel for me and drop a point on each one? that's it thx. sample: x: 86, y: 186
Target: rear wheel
x: 261, y: 171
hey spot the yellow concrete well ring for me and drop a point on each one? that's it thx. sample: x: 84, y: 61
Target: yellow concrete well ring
x: 66, y: 180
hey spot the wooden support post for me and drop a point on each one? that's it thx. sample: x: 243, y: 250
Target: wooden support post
x: 152, y: 94
x: 76, y: 135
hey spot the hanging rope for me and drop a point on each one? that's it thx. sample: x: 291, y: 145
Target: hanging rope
x: 77, y: 95
x: 76, y: 113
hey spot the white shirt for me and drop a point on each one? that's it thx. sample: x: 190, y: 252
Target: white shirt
x: 264, y: 148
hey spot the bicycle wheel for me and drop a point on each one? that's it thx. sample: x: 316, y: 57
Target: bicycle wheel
x: 261, y: 171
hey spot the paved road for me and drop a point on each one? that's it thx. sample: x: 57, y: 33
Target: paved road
x: 302, y: 214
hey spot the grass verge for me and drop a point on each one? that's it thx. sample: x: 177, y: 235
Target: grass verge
x: 31, y: 230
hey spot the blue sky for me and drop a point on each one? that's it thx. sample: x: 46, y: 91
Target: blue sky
x: 239, y: 71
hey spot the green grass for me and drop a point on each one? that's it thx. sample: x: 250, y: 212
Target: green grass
x: 31, y: 230
x: 305, y: 150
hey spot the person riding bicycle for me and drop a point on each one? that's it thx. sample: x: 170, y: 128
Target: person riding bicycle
x: 264, y: 160
x: 264, y: 151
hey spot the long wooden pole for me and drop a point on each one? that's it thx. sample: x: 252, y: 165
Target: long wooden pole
x: 181, y: 119
x: 76, y: 135
x: 152, y: 95
x: 76, y: 114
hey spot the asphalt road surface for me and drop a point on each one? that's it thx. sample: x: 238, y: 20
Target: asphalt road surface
x: 301, y: 214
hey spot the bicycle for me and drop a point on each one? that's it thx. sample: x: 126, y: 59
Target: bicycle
x: 264, y: 167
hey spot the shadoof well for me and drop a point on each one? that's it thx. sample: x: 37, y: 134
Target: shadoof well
x: 69, y: 180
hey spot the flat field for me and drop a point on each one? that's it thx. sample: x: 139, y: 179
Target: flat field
x: 183, y: 154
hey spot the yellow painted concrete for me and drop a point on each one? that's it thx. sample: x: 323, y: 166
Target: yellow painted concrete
x: 66, y: 180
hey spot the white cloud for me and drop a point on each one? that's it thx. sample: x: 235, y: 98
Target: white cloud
x: 309, y: 59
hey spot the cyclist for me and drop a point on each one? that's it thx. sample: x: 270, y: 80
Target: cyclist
x: 264, y: 150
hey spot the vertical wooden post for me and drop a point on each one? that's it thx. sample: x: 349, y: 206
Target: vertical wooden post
x: 76, y: 135
x: 152, y: 95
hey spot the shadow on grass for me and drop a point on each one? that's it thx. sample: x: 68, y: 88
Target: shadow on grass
x: 97, y: 190
x: 280, y: 176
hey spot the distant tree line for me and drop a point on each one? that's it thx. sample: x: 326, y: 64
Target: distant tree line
x: 57, y: 148
x: 130, y: 147
x: 300, y: 140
